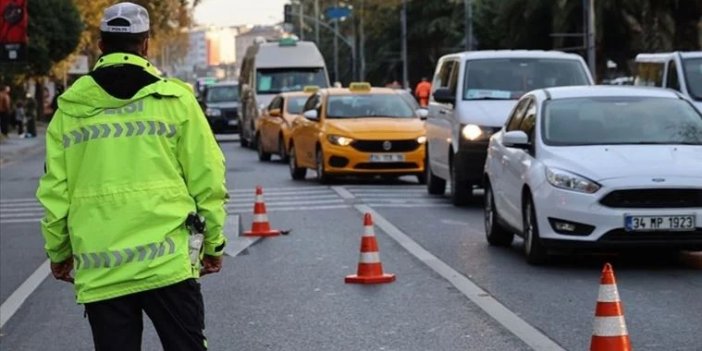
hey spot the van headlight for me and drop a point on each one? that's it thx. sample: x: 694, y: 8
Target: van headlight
x: 339, y: 140
x: 471, y: 132
x: 213, y: 112
x: 569, y: 181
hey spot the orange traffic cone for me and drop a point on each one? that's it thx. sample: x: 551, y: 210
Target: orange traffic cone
x: 260, y: 226
x: 609, y: 332
x: 370, y: 270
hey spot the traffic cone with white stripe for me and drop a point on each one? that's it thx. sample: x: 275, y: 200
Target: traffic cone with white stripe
x: 260, y: 226
x: 609, y: 332
x: 370, y: 270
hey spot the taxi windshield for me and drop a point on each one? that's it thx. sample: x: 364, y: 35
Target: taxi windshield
x: 296, y: 105
x: 510, y: 78
x: 369, y: 105
x: 693, y: 76
x: 621, y: 120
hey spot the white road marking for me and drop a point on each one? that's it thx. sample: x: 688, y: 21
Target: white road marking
x: 289, y: 203
x: 341, y: 191
x: 410, y: 205
x: 292, y: 208
x: 511, y: 321
x: 10, y: 306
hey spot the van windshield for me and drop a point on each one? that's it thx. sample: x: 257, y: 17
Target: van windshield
x: 280, y: 80
x: 510, y: 78
x: 693, y: 77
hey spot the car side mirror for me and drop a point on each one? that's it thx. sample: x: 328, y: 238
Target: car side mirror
x: 516, y: 139
x: 422, y: 113
x: 274, y: 112
x: 311, y: 115
x: 444, y: 96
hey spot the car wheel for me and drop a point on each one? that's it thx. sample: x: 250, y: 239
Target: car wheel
x: 281, y: 150
x: 495, y: 234
x: 262, y: 155
x: 461, y: 192
x: 534, y: 249
x: 296, y: 172
x: 435, y: 185
x: 322, y: 175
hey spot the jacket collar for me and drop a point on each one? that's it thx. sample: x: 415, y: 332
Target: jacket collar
x: 119, y: 58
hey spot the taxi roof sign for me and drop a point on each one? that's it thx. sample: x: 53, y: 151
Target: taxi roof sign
x: 310, y: 88
x: 360, y: 87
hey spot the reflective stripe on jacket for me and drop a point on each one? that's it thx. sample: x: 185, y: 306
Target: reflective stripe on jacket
x: 122, y: 176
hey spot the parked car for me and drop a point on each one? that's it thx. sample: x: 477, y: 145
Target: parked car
x: 681, y: 71
x: 603, y: 166
x: 357, y: 131
x: 273, y: 128
x: 473, y: 93
x: 220, y: 102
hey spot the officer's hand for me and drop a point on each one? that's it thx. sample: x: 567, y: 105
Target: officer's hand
x: 211, y: 264
x: 62, y: 270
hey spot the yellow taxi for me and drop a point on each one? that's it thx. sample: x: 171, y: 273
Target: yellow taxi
x: 273, y: 128
x: 357, y: 131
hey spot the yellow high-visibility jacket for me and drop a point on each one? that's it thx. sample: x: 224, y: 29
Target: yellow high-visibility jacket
x: 122, y: 176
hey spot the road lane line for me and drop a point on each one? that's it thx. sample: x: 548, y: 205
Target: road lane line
x: 508, y: 319
x: 269, y: 209
x: 345, y: 194
x: 15, y: 301
x: 14, y: 221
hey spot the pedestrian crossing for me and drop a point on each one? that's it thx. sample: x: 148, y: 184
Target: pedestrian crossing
x: 277, y: 199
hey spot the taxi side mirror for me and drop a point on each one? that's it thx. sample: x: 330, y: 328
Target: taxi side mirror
x: 311, y: 115
x: 274, y: 112
x: 422, y: 113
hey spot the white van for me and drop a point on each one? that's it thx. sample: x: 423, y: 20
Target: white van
x: 681, y: 71
x: 270, y: 68
x: 472, y: 96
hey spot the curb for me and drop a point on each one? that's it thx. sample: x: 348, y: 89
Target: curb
x: 692, y: 258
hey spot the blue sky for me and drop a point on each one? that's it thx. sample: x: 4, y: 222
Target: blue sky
x: 236, y: 12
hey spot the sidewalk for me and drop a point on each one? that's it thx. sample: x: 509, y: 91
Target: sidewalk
x: 14, y: 146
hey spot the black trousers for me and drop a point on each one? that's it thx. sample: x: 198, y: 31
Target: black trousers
x: 4, y: 122
x: 177, y: 312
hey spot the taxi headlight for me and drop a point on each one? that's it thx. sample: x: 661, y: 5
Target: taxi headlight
x: 471, y: 132
x: 422, y: 139
x: 213, y: 112
x: 339, y: 140
x: 569, y: 181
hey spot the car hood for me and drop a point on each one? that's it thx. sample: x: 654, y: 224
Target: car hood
x: 489, y: 113
x: 223, y: 105
x: 601, y: 162
x: 375, y: 127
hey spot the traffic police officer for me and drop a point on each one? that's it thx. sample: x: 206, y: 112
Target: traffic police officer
x: 129, y: 155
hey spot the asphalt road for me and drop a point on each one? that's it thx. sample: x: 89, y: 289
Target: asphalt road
x: 287, y: 292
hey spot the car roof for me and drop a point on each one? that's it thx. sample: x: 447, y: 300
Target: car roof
x: 490, y: 54
x: 608, y: 90
x: 347, y: 91
x: 295, y: 94
x: 665, y: 56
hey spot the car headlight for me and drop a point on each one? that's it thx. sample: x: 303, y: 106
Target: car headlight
x: 339, y: 140
x: 213, y: 112
x: 569, y: 181
x: 422, y: 139
x: 471, y: 132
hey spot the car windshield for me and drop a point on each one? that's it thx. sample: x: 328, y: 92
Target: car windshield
x: 296, y: 104
x: 224, y: 93
x: 369, y: 105
x: 620, y: 120
x: 510, y: 78
x: 693, y: 77
x: 275, y: 81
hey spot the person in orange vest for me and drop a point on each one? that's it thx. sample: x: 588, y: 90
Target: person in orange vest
x: 422, y: 92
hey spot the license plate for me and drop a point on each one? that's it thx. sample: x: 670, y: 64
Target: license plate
x: 387, y: 158
x: 634, y: 223
x: 232, y: 122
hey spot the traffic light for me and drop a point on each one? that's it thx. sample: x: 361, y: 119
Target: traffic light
x: 287, y: 13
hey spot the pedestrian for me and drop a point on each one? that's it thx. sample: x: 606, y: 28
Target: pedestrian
x: 129, y: 155
x: 5, y: 109
x: 422, y: 92
x: 30, y: 114
x: 19, y: 117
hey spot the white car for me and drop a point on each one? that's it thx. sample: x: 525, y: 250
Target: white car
x: 596, y: 166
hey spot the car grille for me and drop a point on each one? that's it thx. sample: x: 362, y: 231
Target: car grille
x: 230, y: 114
x: 387, y: 165
x: 377, y: 145
x: 653, y: 198
x: 622, y: 236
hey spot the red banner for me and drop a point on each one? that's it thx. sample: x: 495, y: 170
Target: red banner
x: 13, y: 29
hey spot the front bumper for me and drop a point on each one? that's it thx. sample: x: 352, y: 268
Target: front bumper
x: 348, y: 160
x: 602, y: 226
x: 470, y: 160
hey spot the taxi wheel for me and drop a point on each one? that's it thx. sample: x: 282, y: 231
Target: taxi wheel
x: 281, y: 150
x: 534, y: 249
x: 422, y: 178
x: 262, y: 155
x: 296, y: 173
x: 495, y: 234
x: 322, y: 175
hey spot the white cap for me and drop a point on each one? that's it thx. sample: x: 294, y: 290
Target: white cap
x: 125, y: 17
